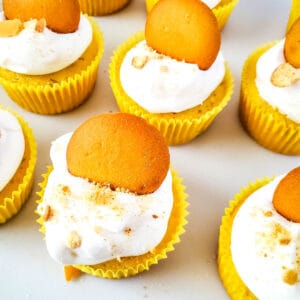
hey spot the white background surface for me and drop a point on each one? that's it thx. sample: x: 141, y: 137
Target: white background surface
x: 214, y: 167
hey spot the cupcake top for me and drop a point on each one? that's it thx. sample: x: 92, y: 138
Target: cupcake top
x: 99, y: 217
x: 278, y: 74
x: 162, y: 77
x: 265, y: 242
x: 42, y: 36
x: 12, y: 146
x: 161, y: 84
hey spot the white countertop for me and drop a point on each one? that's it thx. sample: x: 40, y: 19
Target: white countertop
x: 214, y: 166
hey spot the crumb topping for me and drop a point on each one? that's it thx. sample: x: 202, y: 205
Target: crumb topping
x: 268, y: 213
x: 279, y: 233
x: 10, y: 28
x: 128, y: 231
x: 290, y: 277
x: 66, y: 190
x: 40, y: 25
x: 101, y: 195
x: 139, y: 61
x: 285, y: 75
x: 284, y: 241
x: 73, y: 240
x: 48, y: 213
x: 275, y: 235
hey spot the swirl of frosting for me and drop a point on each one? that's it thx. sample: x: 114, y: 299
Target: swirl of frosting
x: 37, y: 53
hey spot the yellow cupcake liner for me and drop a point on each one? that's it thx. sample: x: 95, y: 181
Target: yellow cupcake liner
x: 60, y: 91
x: 222, y: 11
x: 294, y: 13
x: 102, y: 7
x: 129, y: 266
x: 265, y: 124
x: 14, y: 195
x: 232, y: 282
x: 177, y: 128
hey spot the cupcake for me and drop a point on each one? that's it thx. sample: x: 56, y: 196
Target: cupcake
x: 221, y: 8
x: 102, y: 7
x: 179, y: 90
x: 270, y: 90
x: 17, y: 160
x: 259, y: 245
x: 65, y: 46
x: 294, y: 13
x: 110, y: 205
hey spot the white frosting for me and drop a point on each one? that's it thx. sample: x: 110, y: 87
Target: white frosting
x: 265, y: 246
x: 121, y: 224
x: 285, y: 99
x: 166, y: 85
x: 211, y: 3
x: 12, y: 146
x: 37, y: 53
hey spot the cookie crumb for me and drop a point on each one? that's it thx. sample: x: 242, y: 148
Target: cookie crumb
x: 139, y: 61
x: 65, y: 189
x: 10, y: 28
x: 40, y: 25
x: 74, y: 240
x: 284, y: 241
x: 128, y: 230
x: 268, y: 213
x: 290, y: 277
x: 48, y: 213
x: 284, y: 75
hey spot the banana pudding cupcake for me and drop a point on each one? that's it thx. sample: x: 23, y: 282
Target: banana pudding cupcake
x: 179, y: 90
x: 270, y: 92
x: 110, y: 205
x: 259, y: 245
x: 17, y: 160
x: 65, y: 46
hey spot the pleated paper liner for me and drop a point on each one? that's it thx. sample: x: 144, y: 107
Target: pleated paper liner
x: 222, y: 11
x: 102, y: 7
x: 294, y: 13
x: 177, y: 128
x: 60, y: 91
x: 13, y: 196
x: 265, y: 124
x: 232, y: 282
x: 129, y: 266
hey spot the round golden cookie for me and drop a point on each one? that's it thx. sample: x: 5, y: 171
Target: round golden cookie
x: 121, y: 150
x: 61, y: 16
x: 286, y: 199
x: 292, y: 45
x: 185, y: 30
